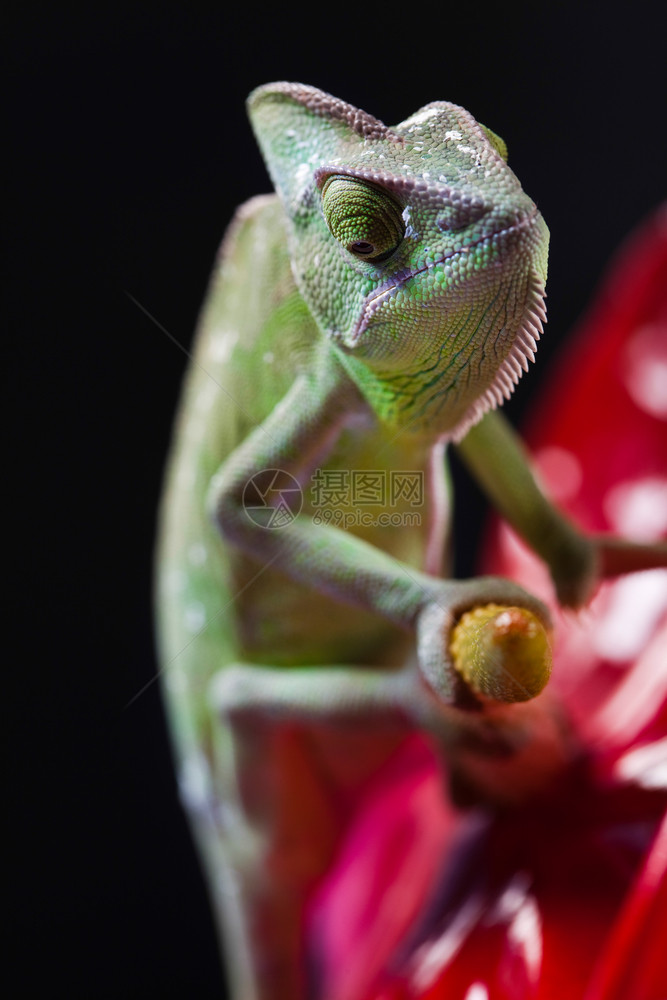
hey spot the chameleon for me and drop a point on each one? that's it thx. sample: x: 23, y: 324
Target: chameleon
x: 375, y: 310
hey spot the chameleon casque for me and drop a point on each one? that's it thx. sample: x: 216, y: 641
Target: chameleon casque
x: 381, y: 305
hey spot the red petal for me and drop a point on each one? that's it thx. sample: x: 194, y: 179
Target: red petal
x: 633, y: 963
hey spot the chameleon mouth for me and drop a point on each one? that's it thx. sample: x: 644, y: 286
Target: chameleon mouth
x: 382, y: 295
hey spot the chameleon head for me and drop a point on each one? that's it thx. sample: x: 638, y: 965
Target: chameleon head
x: 417, y: 251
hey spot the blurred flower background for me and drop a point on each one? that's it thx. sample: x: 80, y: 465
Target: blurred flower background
x: 128, y: 149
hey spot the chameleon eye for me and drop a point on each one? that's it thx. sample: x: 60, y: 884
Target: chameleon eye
x: 362, y: 217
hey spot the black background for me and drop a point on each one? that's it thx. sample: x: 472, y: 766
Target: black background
x: 129, y: 148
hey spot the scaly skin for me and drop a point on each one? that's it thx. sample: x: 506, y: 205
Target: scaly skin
x: 387, y: 299
x: 438, y: 332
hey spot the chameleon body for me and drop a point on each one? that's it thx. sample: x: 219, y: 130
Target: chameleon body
x: 379, y: 306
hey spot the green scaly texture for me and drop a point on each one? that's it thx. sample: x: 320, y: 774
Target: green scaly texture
x: 437, y: 333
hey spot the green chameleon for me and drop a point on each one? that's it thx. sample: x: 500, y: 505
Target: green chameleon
x: 381, y: 306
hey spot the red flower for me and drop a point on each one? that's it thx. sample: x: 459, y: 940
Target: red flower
x: 563, y: 892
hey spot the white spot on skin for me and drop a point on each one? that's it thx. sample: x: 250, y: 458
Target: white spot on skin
x: 302, y: 174
x: 176, y: 681
x: 638, y: 510
x: 194, y: 616
x: 197, y: 554
x: 454, y: 135
x: 175, y: 581
x: 206, y: 396
x: 473, y: 153
x: 268, y: 357
x: 410, y: 233
x: 194, y: 782
x: 222, y: 345
x: 424, y: 116
x: 185, y: 477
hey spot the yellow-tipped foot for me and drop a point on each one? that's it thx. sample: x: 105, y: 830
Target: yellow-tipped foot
x: 503, y: 653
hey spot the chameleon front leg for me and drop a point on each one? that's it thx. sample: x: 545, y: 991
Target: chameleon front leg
x: 299, y: 433
x: 495, y: 455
